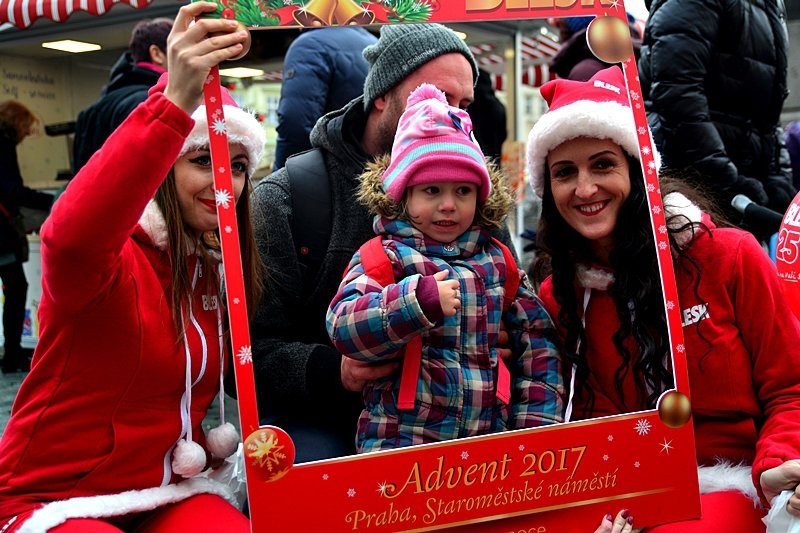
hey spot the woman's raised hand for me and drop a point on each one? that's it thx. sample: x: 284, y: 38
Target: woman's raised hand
x: 622, y: 523
x: 194, y: 47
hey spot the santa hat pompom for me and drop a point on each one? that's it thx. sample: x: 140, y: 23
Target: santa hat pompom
x: 426, y: 91
x: 188, y: 459
x: 222, y: 441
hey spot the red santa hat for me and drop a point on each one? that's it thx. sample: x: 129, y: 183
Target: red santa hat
x: 597, y: 108
x: 241, y: 126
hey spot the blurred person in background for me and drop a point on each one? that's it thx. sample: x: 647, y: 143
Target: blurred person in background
x: 132, y: 75
x: 16, y: 123
x: 488, y: 116
x: 323, y: 70
x: 714, y: 79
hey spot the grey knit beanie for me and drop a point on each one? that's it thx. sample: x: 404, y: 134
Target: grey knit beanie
x: 402, y: 49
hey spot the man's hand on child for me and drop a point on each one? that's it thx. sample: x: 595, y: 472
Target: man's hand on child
x: 449, y: 293
x: 356, y: 374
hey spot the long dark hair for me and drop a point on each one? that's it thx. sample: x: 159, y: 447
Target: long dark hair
x: 642, y: 337
x: 253, y: 270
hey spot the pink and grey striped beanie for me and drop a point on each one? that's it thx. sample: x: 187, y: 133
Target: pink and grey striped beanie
x: 434, y: 144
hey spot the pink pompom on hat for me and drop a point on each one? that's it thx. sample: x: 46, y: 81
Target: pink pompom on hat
x: 597, y: 108
x: 434, y: 144
x: 242, y: 127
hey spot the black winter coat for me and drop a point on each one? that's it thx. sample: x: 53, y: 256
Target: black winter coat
x: 126, y: 90
x: 13, y: 195
x: 713, y: 75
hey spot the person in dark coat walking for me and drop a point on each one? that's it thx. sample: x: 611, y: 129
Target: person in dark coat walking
x: 132, y: 75
x: 713, y: 78
x: 16, y: 123
x: 488, y: 116
x: 323, y: 70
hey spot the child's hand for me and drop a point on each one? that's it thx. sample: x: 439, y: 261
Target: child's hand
x: 449, y: 293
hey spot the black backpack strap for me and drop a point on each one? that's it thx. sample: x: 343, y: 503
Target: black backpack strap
x: 311, y: 210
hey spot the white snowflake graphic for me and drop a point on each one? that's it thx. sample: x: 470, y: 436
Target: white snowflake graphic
x: 383, y: 487
x: 228, y: 229
x: 642, y: 130
x: 650, y: 186
x: 245, y: 355
x: 209, y: 79
x: 219, y: 127
x: 662, y: 229
x: 605, y: 457
x: 651, y: 165
x: 351, y: 493
x: 645, y: 150
x: 325, y: 477
x: 656, y: 209
x: 670, y: 305
x: 217, y: 112
x: 666, y: 446
x: 236, y: 301
x: 610, y: 438
x: 638, y: 106
x: 642, y: 426
x: 681, y: 348
x: 662, y: 245
x: 635, y: 96
x: 223, y: 198
x: 615, y: 4
x: 522, y: 447
x: 637, y: 464
x: 221, y: 170
x: 464, y: 455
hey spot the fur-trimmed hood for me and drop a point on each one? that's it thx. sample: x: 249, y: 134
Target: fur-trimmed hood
x: 371, y: 193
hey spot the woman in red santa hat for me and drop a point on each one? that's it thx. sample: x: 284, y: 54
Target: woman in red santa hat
x: 105, y: 433
x: 605, y: 297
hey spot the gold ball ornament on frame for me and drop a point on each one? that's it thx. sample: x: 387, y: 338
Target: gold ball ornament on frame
x: 674, y: 409
x: 609, y: 39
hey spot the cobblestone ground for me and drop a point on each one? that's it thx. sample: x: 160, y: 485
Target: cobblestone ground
x: 9, y: 383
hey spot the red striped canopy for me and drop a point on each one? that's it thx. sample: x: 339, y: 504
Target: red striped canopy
x: 23, y: 13
x: 537, y: 51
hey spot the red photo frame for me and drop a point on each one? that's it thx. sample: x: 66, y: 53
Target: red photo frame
x: 556, y: 478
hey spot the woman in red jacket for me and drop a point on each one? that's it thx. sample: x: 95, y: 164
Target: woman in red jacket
x: 605, y: 297
x: 105, y: 433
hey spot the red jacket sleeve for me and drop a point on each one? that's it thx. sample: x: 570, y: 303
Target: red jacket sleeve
x: 771, y: 332
x: 84, y: 235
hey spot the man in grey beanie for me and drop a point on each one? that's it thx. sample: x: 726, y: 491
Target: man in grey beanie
x: 304, y: 385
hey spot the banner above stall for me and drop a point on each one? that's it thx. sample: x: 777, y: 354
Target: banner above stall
x: 23, y: 13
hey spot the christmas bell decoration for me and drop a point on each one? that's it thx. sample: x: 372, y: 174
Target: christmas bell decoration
x: 609, y: 39
x: 674, y: 409
x: 316, y: 13
x: 348, y: 12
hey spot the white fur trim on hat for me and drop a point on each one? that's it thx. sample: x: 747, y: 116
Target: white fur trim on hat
x: 583, y: 118
x: 242, y: 128
x: 132, y: 501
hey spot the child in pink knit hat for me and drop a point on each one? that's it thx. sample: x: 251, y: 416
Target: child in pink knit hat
x: 449, y: 287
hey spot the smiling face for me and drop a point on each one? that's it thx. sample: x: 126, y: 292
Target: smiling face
x: 590, y: 181
x: 194, y: 182
x: 442, y: 211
